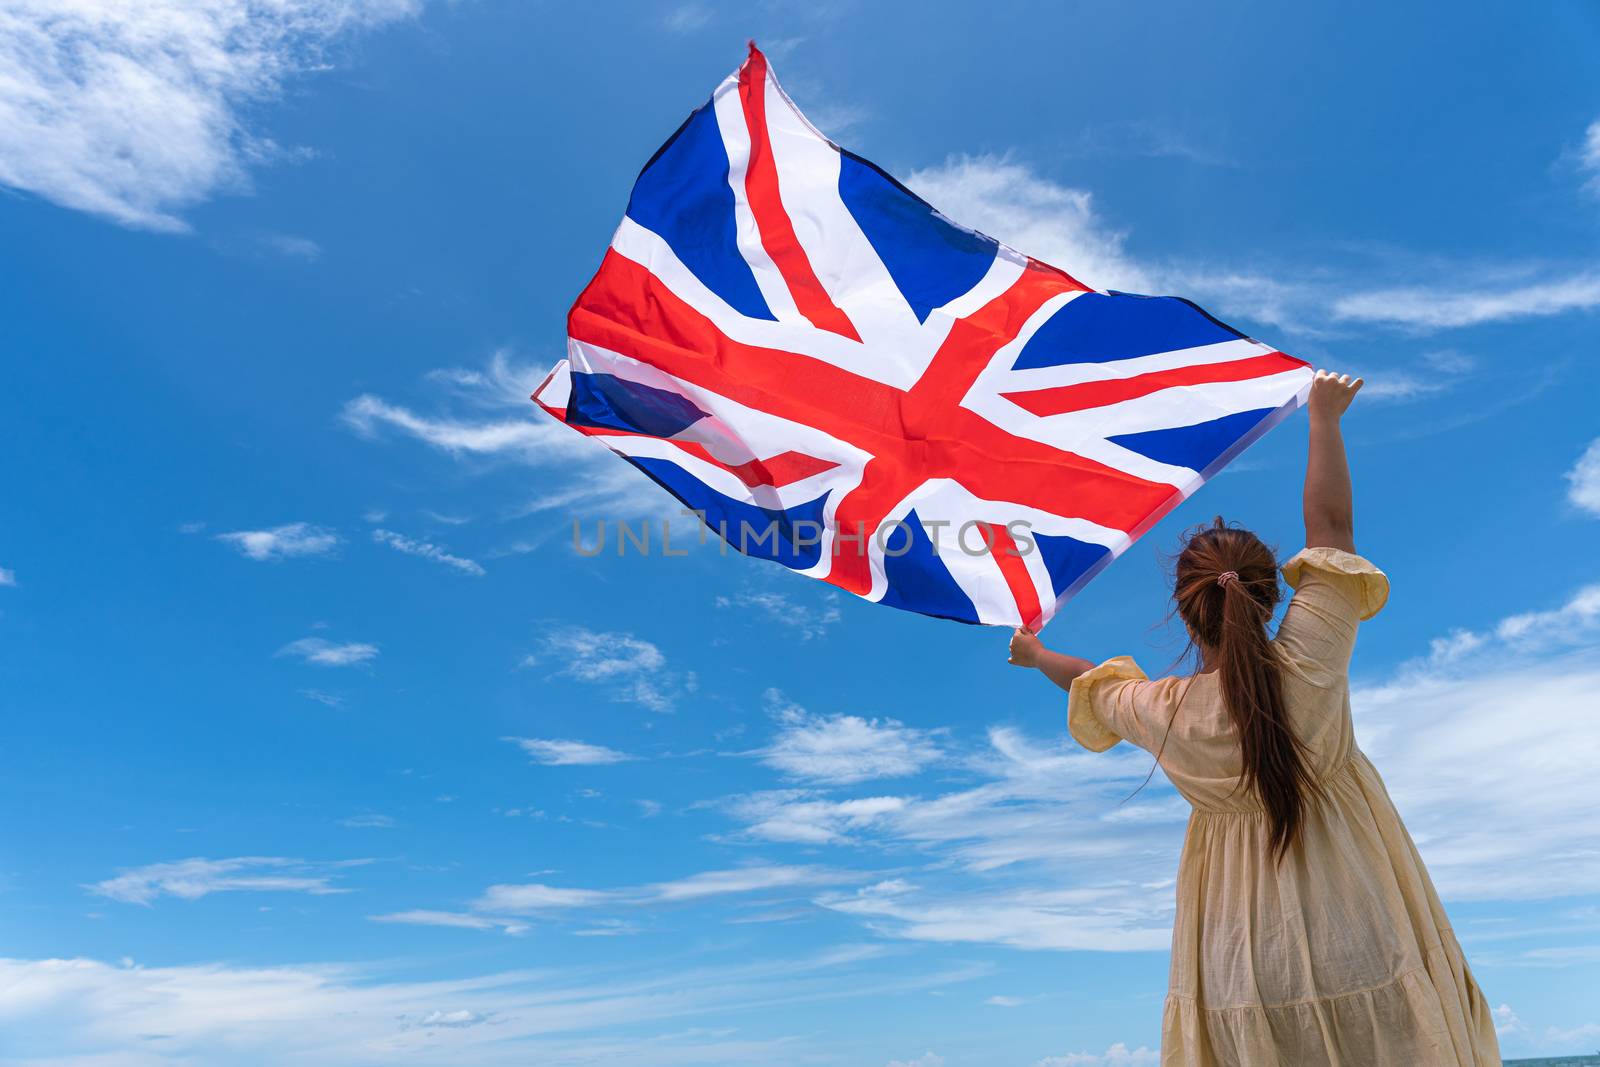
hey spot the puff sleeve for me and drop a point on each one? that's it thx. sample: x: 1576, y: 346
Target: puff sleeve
x: 1102, y: 704
x: 1334, y: 592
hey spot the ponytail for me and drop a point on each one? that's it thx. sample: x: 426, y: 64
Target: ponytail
x: 1226, y: 591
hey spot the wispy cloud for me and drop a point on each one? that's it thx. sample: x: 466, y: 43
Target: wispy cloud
x: 634, y: 668
x: 927, y: 1059
x: 508, y: 906
x: 1004, y: 197
x: 291, y: 246
x: 369, y: 821
x: 192, y: 879
x: 686, y: 17
x: 1589, y: 157
x: 1150, y: 139
x: 324, y: 653
x: 282, y: 542
x: 840, y: 749
x: 777, y: 608
x: 746, y: 880
x: 1478, y: 746
x: 137, y: 111
x: 537, y: 898
x: 557, y: 753
x: 487, y: 416
x: 1575, y: 622
x: 459, y: 920
x: 427, y: 550
x: 1583, y: 480
x: 1118, y: 1055
x: 534, y: 897
x: 1008, y: 201
x: 1111, y: 918
x: 1434, y: 308
x: 83, y: 1011
x: 8, y: 576
x: 367, y: 413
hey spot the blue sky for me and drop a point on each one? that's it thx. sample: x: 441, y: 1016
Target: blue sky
x: 325, y: 747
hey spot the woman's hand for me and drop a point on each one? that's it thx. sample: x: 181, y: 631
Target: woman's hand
x: 1331, y: 394
x: 1025, y: 648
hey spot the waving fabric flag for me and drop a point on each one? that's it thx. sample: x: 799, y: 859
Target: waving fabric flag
x: 838, y: 378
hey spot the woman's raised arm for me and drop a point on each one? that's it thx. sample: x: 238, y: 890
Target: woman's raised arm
x: 1028, y: 651
x: 1329, y: 509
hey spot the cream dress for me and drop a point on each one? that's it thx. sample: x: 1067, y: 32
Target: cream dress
x: 1340, y: 956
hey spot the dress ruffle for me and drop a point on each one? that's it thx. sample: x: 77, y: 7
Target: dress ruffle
x: 1433, y: 1016
x: 1373, y: 584
x: 1084, y: 722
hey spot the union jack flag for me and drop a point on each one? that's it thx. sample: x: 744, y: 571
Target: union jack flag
x: 790, y: 342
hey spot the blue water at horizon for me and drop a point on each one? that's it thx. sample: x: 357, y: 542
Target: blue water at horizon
x: 1558, y: 1061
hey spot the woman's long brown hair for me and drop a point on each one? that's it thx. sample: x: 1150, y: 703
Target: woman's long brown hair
x: 1228, y: 617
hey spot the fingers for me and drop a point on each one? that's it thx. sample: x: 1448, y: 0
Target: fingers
x: 1345, y: 381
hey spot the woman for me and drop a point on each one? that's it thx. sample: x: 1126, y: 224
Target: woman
x: 1307, y: 931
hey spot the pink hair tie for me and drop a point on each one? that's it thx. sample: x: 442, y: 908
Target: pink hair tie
x: 1227, y: 578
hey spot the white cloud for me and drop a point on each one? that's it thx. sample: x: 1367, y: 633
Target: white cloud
x: 1584, y: 491
x: 557, y: 753
x: 927, y: 1059
x: 282, y: 542
x: 1038, y: 815
x: 401, y: 543
x: 535, y: 897
x: 1569, y: 1037
x: 1109, y: 918
x: 1118, y: 1055
x: 369, y: 821
x: 1589, y: 157
x: 325, y: 653
x: 291, y: 246
x: 594, y: 657
x: 1435, y: 308
x: 366, y: 413
x: 778, y: 608
x: 136, y: 111
x: 505, y: 906
x: 1479, y: 747
x: 634, y: 668
x: 192, y: 879
x: 803, y: 817
x: 1008, y: 201
x: 1402, y: 386
x: 840, y: 749
x: 8, y: 577
x: 1571, y: 623
x: 1506, y: 1021
x: 686, y: 17
x: 745, y: 880
x: 84, y: 1012
x: 489, y: 416
x: 455, y: 919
